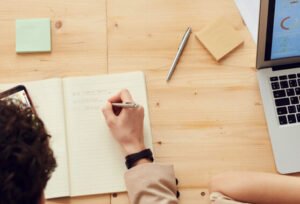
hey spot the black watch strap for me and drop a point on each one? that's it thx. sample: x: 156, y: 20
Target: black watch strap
x: 133, y: 158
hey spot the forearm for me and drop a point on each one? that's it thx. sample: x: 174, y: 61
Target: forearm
x: 258, y: 188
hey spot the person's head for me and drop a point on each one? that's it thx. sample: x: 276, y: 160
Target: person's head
x: 26, y: 160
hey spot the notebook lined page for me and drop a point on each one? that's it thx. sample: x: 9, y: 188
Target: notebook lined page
x: 95, y: 158
x: 47, y: 97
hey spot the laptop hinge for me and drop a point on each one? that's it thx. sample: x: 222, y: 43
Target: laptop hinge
x: 288, y: 66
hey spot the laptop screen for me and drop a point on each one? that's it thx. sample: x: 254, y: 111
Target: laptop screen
x: 283, y: 33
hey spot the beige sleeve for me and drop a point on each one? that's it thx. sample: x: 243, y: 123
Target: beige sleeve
x: 218, y: 198
x: 151, y: 183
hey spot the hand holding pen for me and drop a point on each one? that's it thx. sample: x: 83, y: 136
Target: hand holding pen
x: 125, y: 120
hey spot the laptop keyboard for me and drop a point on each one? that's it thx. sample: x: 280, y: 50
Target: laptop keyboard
x: 286, y: 93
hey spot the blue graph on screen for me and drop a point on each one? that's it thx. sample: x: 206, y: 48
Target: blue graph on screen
x: 286, y: 30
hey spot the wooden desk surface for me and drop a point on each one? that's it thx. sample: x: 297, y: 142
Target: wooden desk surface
x: 208, y: 119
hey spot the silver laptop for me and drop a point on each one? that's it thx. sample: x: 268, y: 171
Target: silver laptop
x: 278, y: 62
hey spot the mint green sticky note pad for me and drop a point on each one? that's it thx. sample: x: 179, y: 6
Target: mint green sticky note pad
x: 33, y: 35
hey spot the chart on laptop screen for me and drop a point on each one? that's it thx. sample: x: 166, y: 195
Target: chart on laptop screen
x: 286, y: 29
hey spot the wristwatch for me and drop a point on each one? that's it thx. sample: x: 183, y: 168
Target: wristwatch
x: 133, y: 158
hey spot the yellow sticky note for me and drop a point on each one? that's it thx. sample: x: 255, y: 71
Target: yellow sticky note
x: 219, y: 38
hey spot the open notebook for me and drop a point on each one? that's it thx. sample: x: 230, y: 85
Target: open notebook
x: 89, y: 160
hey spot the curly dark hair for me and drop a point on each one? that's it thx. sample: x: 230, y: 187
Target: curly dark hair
x: 26, y: 159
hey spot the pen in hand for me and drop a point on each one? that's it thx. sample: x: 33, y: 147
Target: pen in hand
x: 125, y: 105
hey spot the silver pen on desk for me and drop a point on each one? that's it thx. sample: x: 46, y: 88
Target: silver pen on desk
x: 125, y: 105
x: 179, y: 52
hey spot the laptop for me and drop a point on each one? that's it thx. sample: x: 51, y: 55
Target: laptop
x: 278, y: 64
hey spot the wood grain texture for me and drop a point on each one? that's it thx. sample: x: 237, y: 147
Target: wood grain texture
x: 208, y: 119
x: 78, y: 39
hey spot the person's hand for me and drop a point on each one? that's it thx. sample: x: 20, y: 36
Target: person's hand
x: 126, y: 124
